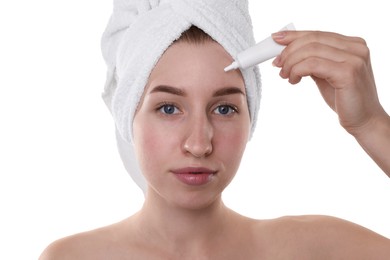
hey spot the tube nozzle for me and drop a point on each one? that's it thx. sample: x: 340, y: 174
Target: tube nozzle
x: 232, y: 66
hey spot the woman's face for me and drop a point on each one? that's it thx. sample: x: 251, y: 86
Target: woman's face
x: 192, y: 125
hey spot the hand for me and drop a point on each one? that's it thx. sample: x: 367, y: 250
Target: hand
x: 340, y: 66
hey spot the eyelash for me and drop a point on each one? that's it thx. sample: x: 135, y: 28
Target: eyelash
x: 232, y: 109
x: 161, y: 107
x: 164, y: 105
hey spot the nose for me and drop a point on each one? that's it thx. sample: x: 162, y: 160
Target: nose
x: 198, y: 141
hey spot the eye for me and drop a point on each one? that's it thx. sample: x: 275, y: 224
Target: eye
x: 168, y: 109
x: 225, y: 110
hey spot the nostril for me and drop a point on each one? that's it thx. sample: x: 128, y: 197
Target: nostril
x: 198, y: 142
x: 198, y: 151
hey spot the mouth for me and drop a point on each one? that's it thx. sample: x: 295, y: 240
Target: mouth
x: 194, y: 176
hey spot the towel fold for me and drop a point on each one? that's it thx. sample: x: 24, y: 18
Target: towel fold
x: 138, y: 33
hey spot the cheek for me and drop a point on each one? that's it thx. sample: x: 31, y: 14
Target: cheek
x: 230, y: 142
x: 153, y: 144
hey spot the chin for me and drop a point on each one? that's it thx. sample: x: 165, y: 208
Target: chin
x: 194, y: 200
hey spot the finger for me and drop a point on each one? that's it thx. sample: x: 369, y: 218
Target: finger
x: 298, y: 39
x: 337, y: 74
x: 286, y: 37
x: 313, y: 49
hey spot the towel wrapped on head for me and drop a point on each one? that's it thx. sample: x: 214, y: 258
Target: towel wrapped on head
x: 138, y: 33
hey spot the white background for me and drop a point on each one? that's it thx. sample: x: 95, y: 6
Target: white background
x: 60, y: 172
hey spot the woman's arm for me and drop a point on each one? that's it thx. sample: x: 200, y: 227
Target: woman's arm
x: 375, y: 140
x: 341, y: 67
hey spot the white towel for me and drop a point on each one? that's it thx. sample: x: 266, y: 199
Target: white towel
x: 138, y: 33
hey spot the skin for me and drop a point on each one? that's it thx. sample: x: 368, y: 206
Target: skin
x: 341, y: 68
x: 199, y: 123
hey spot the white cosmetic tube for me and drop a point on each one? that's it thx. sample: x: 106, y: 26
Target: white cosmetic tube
x: 262, y: 51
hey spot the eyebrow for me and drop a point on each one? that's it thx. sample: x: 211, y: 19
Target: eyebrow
x: 228, y: 91
x: 176, y: 91
x: 168, y: 89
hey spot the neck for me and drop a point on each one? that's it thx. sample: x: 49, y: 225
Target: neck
x: 181, y: 228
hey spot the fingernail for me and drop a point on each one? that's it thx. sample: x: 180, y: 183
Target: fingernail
x: 276, y: 61
x: 279, y: 35
x: 282, y: 74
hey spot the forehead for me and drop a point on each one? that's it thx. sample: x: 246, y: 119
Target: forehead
x: 195, y: 65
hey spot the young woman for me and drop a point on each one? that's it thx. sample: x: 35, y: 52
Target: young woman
x: 190, y: 131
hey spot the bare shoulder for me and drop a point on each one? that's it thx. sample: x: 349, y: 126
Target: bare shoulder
x: 95, y: 244
x: 325, y: 237
x: 65, y: 248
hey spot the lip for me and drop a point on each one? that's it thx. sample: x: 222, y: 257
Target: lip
x: 194, y: 176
